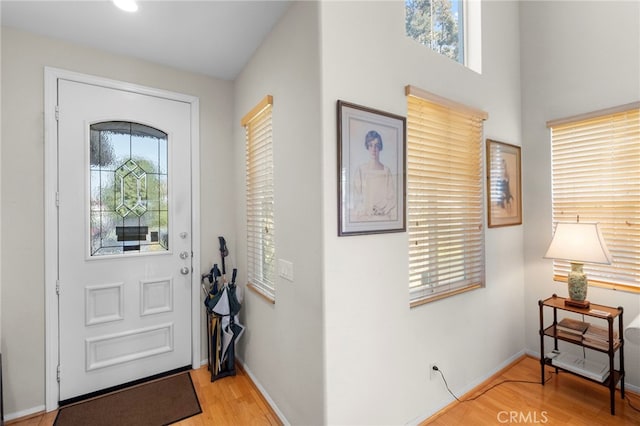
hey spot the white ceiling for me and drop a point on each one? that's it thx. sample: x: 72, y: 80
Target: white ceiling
x: 211, y: 37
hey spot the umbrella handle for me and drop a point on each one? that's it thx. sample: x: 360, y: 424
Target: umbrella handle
x: 224, y: 252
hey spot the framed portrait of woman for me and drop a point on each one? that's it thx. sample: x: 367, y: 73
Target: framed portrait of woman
x: 504, y: 188
x: 371, y: 170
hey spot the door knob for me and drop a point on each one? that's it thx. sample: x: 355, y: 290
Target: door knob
x: 184, y: 270
x: 184, y: 255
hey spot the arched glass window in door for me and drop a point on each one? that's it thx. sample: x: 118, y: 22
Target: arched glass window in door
x: 129, y: 208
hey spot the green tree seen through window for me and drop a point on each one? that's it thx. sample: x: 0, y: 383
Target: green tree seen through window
x: 436, y: 24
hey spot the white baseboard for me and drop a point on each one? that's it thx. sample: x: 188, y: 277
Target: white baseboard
x: 265, y: 394
x: 24, y: 413
x: 261, y: 389
x: 418, y: 420
x: 506, y: 363
x: 632, y: 388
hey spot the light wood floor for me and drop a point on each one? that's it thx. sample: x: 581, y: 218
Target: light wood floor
x: 564, y: 400
x: 230, y: 401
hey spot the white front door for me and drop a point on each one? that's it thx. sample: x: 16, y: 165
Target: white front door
x: 124, y: 236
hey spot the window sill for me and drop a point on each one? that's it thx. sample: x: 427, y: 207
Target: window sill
x: 611, y: 286
x: 429, y: 299
x: 257, y: 290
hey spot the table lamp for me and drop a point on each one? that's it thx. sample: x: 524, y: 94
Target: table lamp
x: 578, y: 243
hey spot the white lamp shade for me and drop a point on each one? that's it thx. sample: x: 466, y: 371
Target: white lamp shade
x: 578, y: 242
x: 632, y: 332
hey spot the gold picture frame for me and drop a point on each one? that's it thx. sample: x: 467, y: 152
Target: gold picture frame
x: 504, y: 184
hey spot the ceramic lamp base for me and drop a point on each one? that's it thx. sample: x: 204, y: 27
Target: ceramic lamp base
x: 577, y: 283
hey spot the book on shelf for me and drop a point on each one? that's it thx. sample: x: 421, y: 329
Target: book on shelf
x: 570, y: 336
x: 572, y: 326
x: 588, y: 368
x: 598, y: 333
x: 600, y: 344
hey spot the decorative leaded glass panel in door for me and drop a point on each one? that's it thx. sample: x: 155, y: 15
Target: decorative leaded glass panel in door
x: 128, y: 169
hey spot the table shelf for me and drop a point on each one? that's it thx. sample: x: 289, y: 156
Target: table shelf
x: 615, y: 345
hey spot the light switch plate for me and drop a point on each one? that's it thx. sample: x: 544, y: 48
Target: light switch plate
x: 285, y: 269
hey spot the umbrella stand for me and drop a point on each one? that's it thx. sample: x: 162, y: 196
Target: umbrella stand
x: 223, y: 328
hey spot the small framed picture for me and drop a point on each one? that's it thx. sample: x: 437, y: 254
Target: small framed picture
x: 504, y: 188
x: 371, y: 170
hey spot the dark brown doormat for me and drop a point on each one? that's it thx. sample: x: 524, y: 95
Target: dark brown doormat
x: 156, y: 403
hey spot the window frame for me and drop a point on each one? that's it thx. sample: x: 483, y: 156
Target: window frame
x: 462, y: 32
x: 466, y: 269
x: 260, y: 199
x: 597, y: 140
x: 459, y: 9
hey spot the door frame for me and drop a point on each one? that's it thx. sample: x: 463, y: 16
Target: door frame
x: 51, y: 255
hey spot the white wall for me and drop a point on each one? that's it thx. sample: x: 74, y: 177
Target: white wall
x: 341, y: 346
x: 22, y: 281
x: 577, y: 57
x: 377, y: 349
x: 283, y: 346
x: 0, y: 189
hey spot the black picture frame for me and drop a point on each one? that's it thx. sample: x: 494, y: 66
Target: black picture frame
x: 371, y: 170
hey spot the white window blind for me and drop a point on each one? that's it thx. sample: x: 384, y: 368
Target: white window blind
x: 260, y: 199
x: 596, y: 177
x: 445, y: 204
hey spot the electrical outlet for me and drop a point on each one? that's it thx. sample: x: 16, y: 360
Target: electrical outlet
x: 433, y: 373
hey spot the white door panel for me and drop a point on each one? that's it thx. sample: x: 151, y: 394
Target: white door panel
x: 125, y: 291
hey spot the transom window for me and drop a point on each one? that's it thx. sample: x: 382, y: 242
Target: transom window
x: 437, y: 24
x: 452, y: 28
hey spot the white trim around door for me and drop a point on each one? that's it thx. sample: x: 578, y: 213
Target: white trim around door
x: 51, y: 76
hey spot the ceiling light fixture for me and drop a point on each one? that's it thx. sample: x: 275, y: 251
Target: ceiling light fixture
x: 126, y: 5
